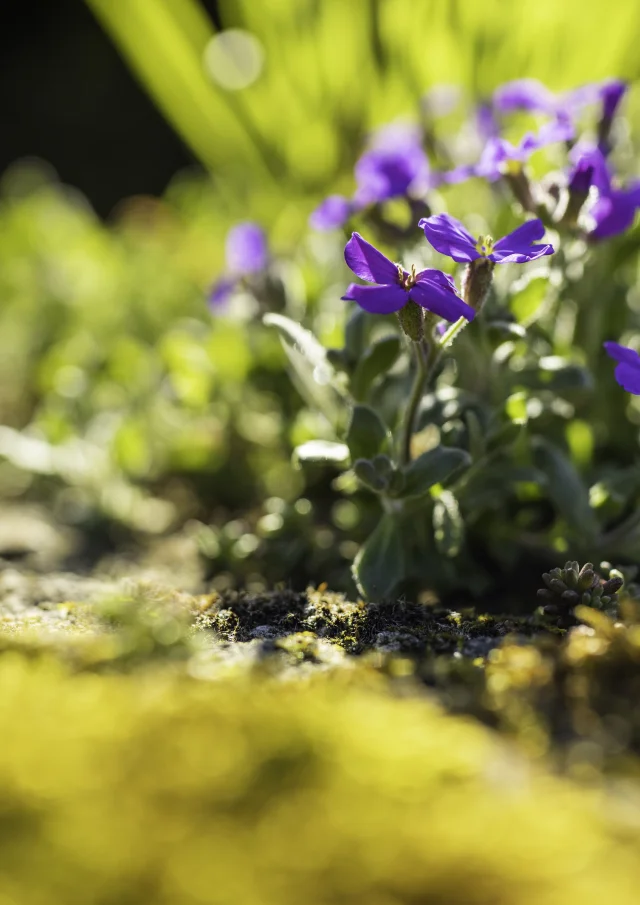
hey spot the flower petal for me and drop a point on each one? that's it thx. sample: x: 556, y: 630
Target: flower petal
x: 628, y: 377
x: 377, y: 299
x: 332, y: 213
x: 622, y: 354
x: 523, y: 94
x: 221, y: 291
x: 246, y: 249
x: 368, y: 263
x: 449, y: 237
x: 436, y: 292
x: 614, y: 213
x: 516, y: 247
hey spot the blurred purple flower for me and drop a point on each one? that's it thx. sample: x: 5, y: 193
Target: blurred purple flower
x: 486, y: 122
x: 614, y: 210
x: 533, y: 96
x: 450, y: 237
x: 395, y: 165
x: 246, y: 249
x: 524, y: 94
x: 394, y: 287
x: 627, y: 371
x: 246, y: 253
x: 500, y: 156
x: 332, y: 213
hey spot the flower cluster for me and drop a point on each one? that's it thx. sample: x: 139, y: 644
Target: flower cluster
x: 394, y: 287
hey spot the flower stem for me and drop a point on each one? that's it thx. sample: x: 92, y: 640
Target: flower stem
x: 427, y: 353
x: 422, y: 353
x: 448, y: 337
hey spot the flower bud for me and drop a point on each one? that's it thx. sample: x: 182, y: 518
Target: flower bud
x: 476, y: 282
x: 411, y: 319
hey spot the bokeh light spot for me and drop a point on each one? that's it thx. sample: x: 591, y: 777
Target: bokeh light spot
x: 234, y: 59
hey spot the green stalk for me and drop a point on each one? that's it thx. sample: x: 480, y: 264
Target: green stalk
x: 414, y: 400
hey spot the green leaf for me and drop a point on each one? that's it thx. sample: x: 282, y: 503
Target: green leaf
x: 354, y: 334
x: 448, y: 527
x: 366, y: 472
x: 380, y: 564
x: 526, y: 301
x: 474, y: 431
x: 314, y: 375
x: 321, y: 451
x: 377, y: 360
x: 565, y: 487
x: 432, y: 467
x: 503, y: 435
x: 367, y: 435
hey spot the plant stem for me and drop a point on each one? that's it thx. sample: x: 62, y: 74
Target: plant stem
x: 427, y: 354
x: 448, y: 337
x: 422, y: 355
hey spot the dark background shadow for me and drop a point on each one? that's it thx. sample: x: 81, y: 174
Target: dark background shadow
x: 67, y: 97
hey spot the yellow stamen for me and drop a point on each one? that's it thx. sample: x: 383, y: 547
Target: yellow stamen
x: 484, y: 246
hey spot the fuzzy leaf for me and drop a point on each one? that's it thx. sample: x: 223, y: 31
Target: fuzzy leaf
x: 565, y: 488
x: 314, y: 375
x: 432, y: 467
x: 377, y: 360
x: 380, y: 564
x: 367, y: 435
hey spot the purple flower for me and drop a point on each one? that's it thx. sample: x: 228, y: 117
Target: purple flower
x: 394, y: 286
x: 246, y: 253
x: 246, y: 249
x: 533, y: 96
x: 394, y: 165
x: 627, y: 371
x: 524, y: 94
x: 501, y: 157
x: 614, y: 210
x: 332, y: 213
x: 449, y: 237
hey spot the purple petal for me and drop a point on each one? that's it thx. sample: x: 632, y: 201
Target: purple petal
x: 449, y: 237
x: 331, y: 214
x: 458, y: 174
x: 612, y: 91
x: 435, y: 291
x: 628, y: 377
x: 221, y: 291
x: 246, y: 249
x: 385, y: 172
x: 559, y: 129
x: 587, y: 155
x: 523, y: 94
x: 367, y: 262
x: 516, y: 247
x: 513, y: 256
x: 523, y: 236
x: 377, y: 299
x: 497, y: 152
x: 614, y: 213
x: 622, y: 354
x: 486, y: 122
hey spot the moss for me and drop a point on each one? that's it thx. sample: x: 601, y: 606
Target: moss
x: 358, y: 627
x: 151, y: 787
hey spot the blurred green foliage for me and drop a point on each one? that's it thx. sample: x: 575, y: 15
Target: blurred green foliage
x: 131, y: 410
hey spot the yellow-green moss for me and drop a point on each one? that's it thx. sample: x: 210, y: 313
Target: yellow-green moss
x: 153, y: 787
